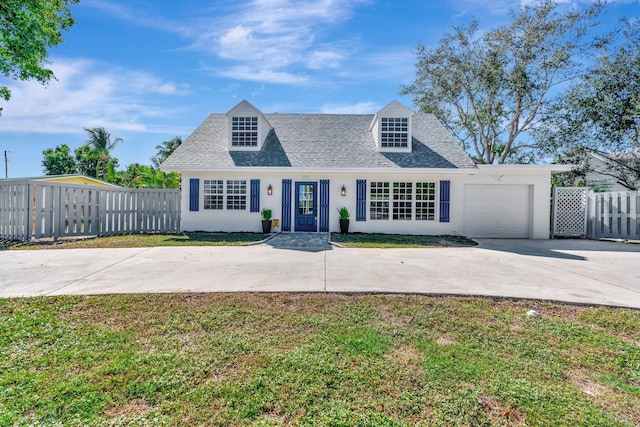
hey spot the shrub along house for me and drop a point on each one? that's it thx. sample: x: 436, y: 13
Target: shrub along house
x: 395, y: 171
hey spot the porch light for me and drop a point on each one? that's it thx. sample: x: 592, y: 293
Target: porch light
x: 270, y: 190
x: 343, y: 192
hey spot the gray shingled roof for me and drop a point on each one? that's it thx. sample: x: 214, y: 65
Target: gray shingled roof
x: 318, y: 141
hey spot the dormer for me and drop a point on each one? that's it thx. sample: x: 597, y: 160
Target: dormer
x: 248, y: 128
x: 391, y: 128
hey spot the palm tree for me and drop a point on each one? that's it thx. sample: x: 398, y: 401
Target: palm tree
x: 99, y: 140
x: 165, y: 149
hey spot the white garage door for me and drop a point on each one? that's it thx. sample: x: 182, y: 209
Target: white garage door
x: 500, y: 211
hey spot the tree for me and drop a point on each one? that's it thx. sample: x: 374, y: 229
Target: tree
x: 142, y: 176
x: 100, y: 144
x: 490, y: 89
x: 87, y: 164
x: 27, y: 30
x: 165, y: 149
x: 59, y: 161
x: 602, y: 110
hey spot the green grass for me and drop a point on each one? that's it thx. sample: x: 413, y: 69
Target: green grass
x: 301, y: 359
x: 356, y: 240
x: 364, y: 240
x: 151, y: 240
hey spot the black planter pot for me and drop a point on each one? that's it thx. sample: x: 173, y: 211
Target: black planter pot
x: 266, y: 226
x: 344, y: 226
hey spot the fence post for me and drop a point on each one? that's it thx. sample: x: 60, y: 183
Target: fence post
x: 634, y: 210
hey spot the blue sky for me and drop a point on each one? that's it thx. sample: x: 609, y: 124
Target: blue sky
x: 151, y: 70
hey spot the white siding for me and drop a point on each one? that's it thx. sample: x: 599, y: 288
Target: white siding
x: 535, y: 179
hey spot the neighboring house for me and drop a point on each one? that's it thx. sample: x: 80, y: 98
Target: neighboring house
x: 612, y: 172
x: 66, y: 179
x: 396, y: 172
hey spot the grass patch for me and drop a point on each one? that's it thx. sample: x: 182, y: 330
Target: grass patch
x: 315, y: 359
x: 365, y: 240
x: 150, y: 240
x: 356, y: 240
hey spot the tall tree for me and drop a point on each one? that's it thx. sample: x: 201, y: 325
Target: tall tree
x: 602, y: 110
x: 59, y: 161
x: 99, y: 141
x: 27, y: 30
x: 165, y: 149
x: 490, y: 88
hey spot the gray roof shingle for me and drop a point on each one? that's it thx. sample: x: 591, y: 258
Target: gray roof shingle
x: 333, y: 141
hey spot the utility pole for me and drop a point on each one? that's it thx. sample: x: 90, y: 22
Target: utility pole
x: 6, y: 165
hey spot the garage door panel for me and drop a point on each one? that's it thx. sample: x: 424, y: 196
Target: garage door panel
x: 500, y: 211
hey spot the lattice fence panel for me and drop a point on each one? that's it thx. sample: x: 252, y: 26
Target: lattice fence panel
x: 569, y: 211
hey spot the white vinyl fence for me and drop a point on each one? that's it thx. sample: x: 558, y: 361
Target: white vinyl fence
x: 614, y: 214
x: 35, y: 209
x: 582, y: 212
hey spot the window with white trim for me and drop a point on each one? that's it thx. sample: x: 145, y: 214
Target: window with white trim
x: 213, y: 194
x: 425, y: 201
x: 402, y: 200
x: 379, y: 200
x: 244, y: 131
x: 394, y: 132
x: 236, y: 194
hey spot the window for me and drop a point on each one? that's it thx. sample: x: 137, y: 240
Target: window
x: 244, y: 131
x: 213, y: 194
x: 402, y: 204
x: 394, y: 132
x: 236, y: 194
x: 379, y: 200
x: 425, y: 201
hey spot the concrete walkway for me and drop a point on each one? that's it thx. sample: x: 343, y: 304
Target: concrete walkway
x: 578, y: 271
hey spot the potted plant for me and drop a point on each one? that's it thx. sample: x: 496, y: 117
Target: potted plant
x: 344, y: 220
x: 266, y: 220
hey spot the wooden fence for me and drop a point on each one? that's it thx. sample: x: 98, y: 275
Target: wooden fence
x: 35, y: 210
x: 581, y: 212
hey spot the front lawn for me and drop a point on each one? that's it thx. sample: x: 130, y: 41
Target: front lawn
x: 365, y: 240
x: 140, y: 240
x: 315, y: 359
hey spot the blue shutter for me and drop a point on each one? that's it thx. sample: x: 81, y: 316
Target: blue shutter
x: 324, y: 205
x: 361, y: 200
x: 255, y: 195
x: 445, y: 197
x: 286, y: 205
x: 194, y: 194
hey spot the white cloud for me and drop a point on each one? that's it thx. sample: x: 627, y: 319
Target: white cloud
x: 141, y: 17
x: 325, y: 59
x: 84, y: 95
x: 273, y: 37
x: 359, y: 108
x: 263, y: 75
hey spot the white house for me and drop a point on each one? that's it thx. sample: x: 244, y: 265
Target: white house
x: 611, y: 172
x: 395, y: 171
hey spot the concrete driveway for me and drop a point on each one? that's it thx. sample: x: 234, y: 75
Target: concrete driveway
x: 578, y: 271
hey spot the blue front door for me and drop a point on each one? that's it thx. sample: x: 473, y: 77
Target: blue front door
x: 306, y: 207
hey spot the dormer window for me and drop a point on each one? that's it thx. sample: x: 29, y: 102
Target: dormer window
x: 391, y: 129
x: 248, y: 128
x: 394, y: 132
x: 244, y: 131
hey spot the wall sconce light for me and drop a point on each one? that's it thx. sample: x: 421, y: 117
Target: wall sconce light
x: 270, y: 190
x: 343, y: 192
